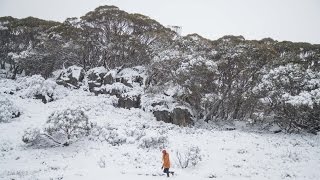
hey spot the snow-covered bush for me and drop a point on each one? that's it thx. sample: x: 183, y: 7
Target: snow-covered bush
x: 102, y: 162
x: 115, y: 138
x: 189, y: 157
x: 7, y: 109
x: 109, y: 134
x: 33, y: 137
x: 38, y: 87
x: 136, y: 133
x: 68, y: 125
x: 153, y: 141
x: 98, y: 133
x: 5, y: 146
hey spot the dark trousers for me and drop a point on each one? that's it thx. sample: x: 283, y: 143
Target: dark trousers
x: 166, y: 170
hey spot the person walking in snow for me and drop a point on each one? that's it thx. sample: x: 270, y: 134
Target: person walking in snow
x: 166, y: 163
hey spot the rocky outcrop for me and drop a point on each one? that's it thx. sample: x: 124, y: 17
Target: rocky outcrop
x: 125, y: 84
x: 163, y: 116
x: 96, y: 77
x: 138, y: 79
x: 181, y: 117
x: 178, y: 116
x: 124, y: 81
x: 71, y: 77
x: 44, y: 99
x: 119, y: 90
x: 108, y: 79
x: 129, y: 102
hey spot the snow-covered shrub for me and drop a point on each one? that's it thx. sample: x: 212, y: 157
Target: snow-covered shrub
x: 37, y: 138
x: 98, y: 133
x: 136, y: 133
x: 102, y: 162
x: 153, y: 142
x: 33, y: 137
x: 110, y: 134
x: 38, y: 87
x: 68, y: 125
x: 7, y: 109
x: 30, y: 136
x: 8, y: 86
x: 189, y: 157
x: 5, y: 146
x: 212, y: 176
x: 115, y: 138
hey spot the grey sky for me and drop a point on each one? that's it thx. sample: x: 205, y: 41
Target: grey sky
x: 294, y: 20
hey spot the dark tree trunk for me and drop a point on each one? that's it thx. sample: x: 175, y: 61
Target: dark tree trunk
x: 2, y: 65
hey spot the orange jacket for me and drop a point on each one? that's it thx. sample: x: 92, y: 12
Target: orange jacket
x: 165, y: 160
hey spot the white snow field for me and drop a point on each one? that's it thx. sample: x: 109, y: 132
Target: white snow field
x: 224, y: 154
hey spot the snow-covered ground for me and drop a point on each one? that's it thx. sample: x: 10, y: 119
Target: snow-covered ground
x: 224, y: 154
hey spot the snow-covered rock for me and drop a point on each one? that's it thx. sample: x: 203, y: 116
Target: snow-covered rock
x: 129, y: 102
x: 178, y: 116
x: 71, y: 77
x: 125, y: 84
x: 96, y: 77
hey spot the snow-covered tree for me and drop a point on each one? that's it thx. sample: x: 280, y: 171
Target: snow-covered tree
x: 291, y: 93
x: 67, y: 125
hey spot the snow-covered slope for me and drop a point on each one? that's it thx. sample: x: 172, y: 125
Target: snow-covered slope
x: 132, y: 147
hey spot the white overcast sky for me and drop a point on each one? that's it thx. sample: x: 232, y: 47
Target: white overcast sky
x: 293, y: 20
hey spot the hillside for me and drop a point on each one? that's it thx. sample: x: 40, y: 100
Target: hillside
x: 226, y: 79
x: 101, y: 95
x: 127, y: 144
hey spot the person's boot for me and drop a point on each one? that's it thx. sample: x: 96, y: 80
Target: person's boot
x: 172, y: 173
